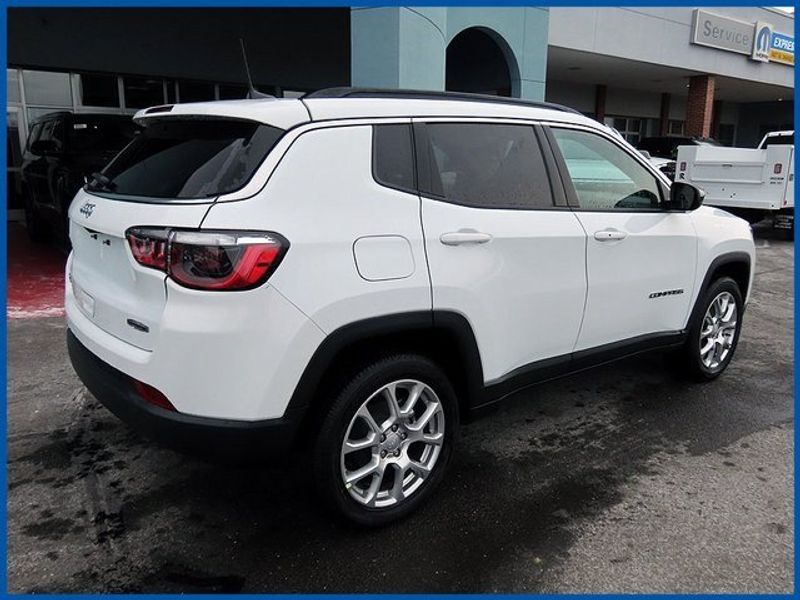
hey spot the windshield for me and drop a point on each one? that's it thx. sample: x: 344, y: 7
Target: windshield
x: 188, y: 158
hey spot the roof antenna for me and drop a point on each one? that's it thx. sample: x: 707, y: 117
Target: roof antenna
x: 252, y: 92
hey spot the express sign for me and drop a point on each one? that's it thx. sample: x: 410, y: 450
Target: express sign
x: 782, y: 49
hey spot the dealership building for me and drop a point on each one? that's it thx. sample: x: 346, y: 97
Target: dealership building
x: 719, y: 72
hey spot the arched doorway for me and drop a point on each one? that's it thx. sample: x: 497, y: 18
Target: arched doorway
x: 476, y: 63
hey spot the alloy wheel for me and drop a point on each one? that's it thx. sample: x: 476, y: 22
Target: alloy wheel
x: 718, y: 331
x: 392, y: 443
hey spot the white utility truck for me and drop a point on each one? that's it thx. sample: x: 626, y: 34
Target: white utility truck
x: 753, y: 183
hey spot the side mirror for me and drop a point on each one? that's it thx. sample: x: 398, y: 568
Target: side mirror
x: 44, y: 147
x: 684, y: 196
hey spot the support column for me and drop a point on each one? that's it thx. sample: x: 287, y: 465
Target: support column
x: 700, y: 105
x: 600, y: 103
x: 716, y: 114
x: 396, y: 48
x: 663, y: 126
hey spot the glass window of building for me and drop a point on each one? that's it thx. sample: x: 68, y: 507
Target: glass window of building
x: 631, y: 128
x: 141, y: 92
x: 232, y: 92
x: 675, y: 127
x: 12, y: 85
x: 99, y: 90
x: 196, y: 91
x: 47, y: 88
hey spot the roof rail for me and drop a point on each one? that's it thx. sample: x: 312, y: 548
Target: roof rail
x: 355, y: 92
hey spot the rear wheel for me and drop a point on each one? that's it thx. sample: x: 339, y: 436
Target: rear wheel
x: 386, y: 442
x: 714, y: 335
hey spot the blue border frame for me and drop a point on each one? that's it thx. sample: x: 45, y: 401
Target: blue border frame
x: 320, y: 3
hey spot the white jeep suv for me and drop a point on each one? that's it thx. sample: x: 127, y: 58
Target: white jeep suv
x: 356, y: 271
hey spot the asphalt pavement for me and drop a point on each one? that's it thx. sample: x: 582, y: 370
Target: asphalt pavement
x: 620, y: 479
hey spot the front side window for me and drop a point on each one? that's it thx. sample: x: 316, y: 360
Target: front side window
x: 188, y: 158
x: 606, y: 177
x: 487, y: 165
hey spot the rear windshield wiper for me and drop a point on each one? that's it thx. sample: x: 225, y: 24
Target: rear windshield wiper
x: 101, y: 182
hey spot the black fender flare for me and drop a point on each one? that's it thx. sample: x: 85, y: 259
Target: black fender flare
x: 454, y: 324
x: 719, y: 261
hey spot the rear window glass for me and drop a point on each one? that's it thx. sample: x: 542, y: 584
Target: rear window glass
x: 188, y: 158
x: 488, y: 165
x: 392, y: 156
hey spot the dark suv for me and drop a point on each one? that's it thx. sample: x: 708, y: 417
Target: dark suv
x: 62, y: 150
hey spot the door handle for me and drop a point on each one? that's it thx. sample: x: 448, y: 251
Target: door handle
x: 609, y: 235
x: 464, y: 236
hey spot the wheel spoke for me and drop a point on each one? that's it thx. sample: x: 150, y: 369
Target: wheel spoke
x: 355, y: 445
x: 390, y: 393
x: 422, y: 470
x: 370, y: 468
x: 397, y: 492
x: 413, y: 397
x: 708, y: 346
x: 367, y: 416
x: 434, y: 439
x: 374, y: 487
x: 430, y: 411
x: 729, y: 314
x: 722, y: 306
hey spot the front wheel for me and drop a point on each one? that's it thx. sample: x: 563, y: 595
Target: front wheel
x: 386, y: 442
x: 714, y: 335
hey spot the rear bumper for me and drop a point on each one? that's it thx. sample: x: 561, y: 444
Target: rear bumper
x: 216, y: 439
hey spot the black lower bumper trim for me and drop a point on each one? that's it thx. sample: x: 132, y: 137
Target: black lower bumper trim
x: 223, y: 439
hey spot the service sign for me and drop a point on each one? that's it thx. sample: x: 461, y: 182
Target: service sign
x: 724, y: 33
x: 782, y: 49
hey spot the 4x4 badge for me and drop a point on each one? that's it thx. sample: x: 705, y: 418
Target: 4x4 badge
x: 87, y: 209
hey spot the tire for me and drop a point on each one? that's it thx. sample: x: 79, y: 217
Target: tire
x: 710, y: 365
x: 391, y: 450
x: 38, y: 231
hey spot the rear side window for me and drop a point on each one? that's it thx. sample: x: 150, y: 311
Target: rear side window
x: 188, y: 158
x: 393, y: 157
x: 487, y: 165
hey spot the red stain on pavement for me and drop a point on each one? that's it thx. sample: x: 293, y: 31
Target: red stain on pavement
x: 35, y: 277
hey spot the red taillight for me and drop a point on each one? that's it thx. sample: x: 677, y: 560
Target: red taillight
x: 209, y: 260
x: 149, y: 246
x: 152, y: 396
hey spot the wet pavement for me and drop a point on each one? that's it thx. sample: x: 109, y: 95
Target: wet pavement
x: 619, y: 479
